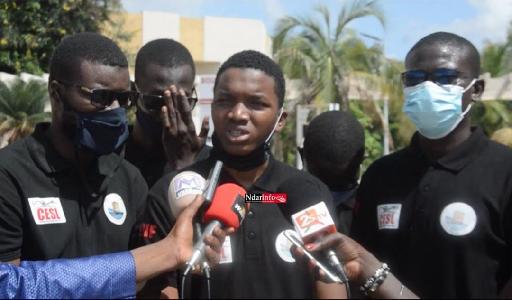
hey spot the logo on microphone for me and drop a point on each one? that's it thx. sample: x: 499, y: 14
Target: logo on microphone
x: 187, y: 183
x: 239, y: 208
x: 278, y: 198
x: 309, y: 218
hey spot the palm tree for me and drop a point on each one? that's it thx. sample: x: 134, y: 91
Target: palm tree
x: 314, y: 51
x: 497, y: 57
x: 21, y: 108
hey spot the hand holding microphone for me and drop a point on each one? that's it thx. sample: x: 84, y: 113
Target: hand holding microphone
x: 227, y: 209
x: 184, y: 189
x: 314, y: 223
x: 359, y: 265
x: 180, y: 240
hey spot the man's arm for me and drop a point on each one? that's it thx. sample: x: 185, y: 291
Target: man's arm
x: 359, y: 265
x: 157, y: 223
x: 105, y: 276
x: 111, y: 275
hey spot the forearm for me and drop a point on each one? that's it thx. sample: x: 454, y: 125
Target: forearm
x: 105, y: 276
x: 330, y: 290
x: 153, y: 260
x: 392, y: 288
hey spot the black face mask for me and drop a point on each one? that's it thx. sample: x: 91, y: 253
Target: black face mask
x: 240, y: 163
x: 149, y: 125
x: 100, y: 132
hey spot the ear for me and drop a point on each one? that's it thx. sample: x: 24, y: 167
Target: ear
x: 281, y: 122
x: 478, y: 89
x: 55, y: 91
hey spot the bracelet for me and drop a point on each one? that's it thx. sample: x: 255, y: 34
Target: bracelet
x: 376, y: 280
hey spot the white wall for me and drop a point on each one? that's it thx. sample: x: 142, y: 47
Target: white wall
x: 224, y: 37
x: 156, y: 25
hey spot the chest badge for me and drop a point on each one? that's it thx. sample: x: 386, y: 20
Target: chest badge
x: 226, y: 256
x: 283, y: 246
x: 47, y: 210
x: 388, y: 216
x: 458, y: 219
x: 114, y: 209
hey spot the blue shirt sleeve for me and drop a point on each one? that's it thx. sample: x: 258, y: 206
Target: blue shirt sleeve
x: 103, y: 276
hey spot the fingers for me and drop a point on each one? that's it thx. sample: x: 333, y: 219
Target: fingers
x: 215, y: 241
x: 205, y: 128
x: 219, y: 234
x: 192, y: 209
x: 186, y: 112
x: 297, y: 252
x: 169, y: 114
x: 328, y: 242
x: 212, y: 256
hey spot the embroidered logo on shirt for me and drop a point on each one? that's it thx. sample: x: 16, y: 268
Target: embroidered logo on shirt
x: 47, y: 210
x: 388, y: 215
x: 458, y: 219
x: 283, y: 246
x: 226, y: 257
x: 147, y: 231
x: 114, y: 209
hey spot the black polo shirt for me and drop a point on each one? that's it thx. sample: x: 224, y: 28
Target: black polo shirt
x: 344, y: 204
x: 152, y: 165
x: 445, y: 226
x: 257, y: 270
x: 46, y: 212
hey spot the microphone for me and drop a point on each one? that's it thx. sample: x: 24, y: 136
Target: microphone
x: 314, y: 223
x: 213, y: 181
x: 310, y: 217
x: 183, y: 190
x: 227, y: 209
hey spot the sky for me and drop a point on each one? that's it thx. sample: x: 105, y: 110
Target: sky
x: 407, y: 21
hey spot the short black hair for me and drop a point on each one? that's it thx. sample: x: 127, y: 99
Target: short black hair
x: 164, y: 52
x: 250, y: 59
x: 86, y: 46
x: 334, y: 144
x: 451, y: 39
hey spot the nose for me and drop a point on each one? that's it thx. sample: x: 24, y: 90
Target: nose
x: 115, y: 104
x: 239, y: 113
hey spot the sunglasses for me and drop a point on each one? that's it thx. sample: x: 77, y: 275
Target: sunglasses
x: 154, y: 103
x: 103, y: 98
x: 440, y: 76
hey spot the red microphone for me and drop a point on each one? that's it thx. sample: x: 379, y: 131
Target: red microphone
x: 227, y: 209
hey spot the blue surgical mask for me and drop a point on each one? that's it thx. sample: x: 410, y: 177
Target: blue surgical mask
x: 436, y: 110
x: 102, y: 132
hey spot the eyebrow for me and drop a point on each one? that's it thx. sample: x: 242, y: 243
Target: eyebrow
x: 253, y: 96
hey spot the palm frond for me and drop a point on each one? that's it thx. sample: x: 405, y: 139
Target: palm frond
x: 358, y: 9
x: 22, y: 107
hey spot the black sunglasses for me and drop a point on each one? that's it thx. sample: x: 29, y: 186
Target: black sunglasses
x: 155, y: 102
x: 102, y: 98
x: 440, y: 76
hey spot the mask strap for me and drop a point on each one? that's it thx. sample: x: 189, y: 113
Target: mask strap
x: 470, y: 104
x: 275, y: 125
x: 469, y: 86
x: 467, y: 110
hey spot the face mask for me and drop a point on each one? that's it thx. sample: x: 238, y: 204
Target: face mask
x: 102, y: 132
x: 435, y: 110
x: 247, y: 162
x: 149, y: 125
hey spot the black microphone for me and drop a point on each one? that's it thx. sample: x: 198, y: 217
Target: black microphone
x: 212, y: 181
